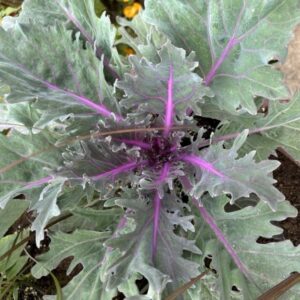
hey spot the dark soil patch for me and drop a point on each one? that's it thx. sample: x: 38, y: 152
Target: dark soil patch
x: 288, y: 182
x: 288, y: 177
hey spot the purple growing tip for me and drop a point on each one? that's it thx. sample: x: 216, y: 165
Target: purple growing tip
x: 203, y: 164
x: 157, y: 206
x: 169, y: 104
x: 38, y: 182
x: 164, y: 173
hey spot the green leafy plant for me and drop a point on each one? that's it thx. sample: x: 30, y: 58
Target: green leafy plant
x: 114, y: 143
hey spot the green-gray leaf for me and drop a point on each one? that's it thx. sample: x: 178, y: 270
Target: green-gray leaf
x: 13, y: 210
x: 241, y: 176
x: 279, y: 128
x: 46, y: 208
x: 87, y: 249
x: 244, y: 34
x: 268, y: 264
x: 147, y: 86
x: 135, y: 246
x: 55, y: 77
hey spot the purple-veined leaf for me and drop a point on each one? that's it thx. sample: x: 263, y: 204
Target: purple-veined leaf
x: 14, y: 148
x: 87, y: 248
x: 278, y: 128
x: 54, y: 78
x: 168, y: 86
x: 233, y: 41
x: 135, y: 245
x: 169, y: 109
x: 214, y: 227
x: 81, y: 16
x: 242, y: 227
x: 242, y: 176
x: 157, y: 208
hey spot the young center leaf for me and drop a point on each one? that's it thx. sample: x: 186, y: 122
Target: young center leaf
x: 148, y: 87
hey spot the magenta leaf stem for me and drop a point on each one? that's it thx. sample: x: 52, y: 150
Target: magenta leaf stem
x: 219, y: 234
x: 38, y: 182
x: 101, y: 109
x: 203, y: 164
x: 169, y: 104
x: 213, y: 71
x: 88, y: 37
x: 156, y: 215
x: 120, y: 169
x: 157, y: 207
x: 214, y: 227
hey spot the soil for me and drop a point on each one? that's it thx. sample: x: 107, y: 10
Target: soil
x: 288, y: 176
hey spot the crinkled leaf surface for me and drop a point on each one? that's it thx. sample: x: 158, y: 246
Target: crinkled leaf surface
x: 233, y: 41
x: 55, y: 78
x: 87, y: 249
x: 46, y: 208
x: 97, y: 162
x: 135, y: 246
x: 147, y: 39
x: 81, y: 16
x: 147, y: 87
x: 18, y: 151
x: 242, y: 176
x: 279, y: 128
x: 268, y: 264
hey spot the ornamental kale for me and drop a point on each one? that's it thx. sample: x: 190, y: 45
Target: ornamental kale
x: 114, y: 143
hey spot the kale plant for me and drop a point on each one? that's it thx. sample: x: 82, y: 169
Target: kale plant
x: 154, y: 164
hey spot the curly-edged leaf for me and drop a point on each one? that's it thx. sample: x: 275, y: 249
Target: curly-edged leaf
x: 278, y: 128
x: 33, y: 156
x: 239, y: 177
x: 146, y: 38
x: 267, y: 264
x: 99, y: 163
x: 19, y: 116
x: 134, y: 244
x: 89, y: 219
x: 86, y: 248
x: 81, y: 16
x: 13, y: 210
x: 149, y: 86
x: 234, y: 42
x: 46, y: 208
x: 55, y: 78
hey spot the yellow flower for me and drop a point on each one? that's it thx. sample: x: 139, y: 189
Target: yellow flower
x: 129, y: 51
x: 131, y: 10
